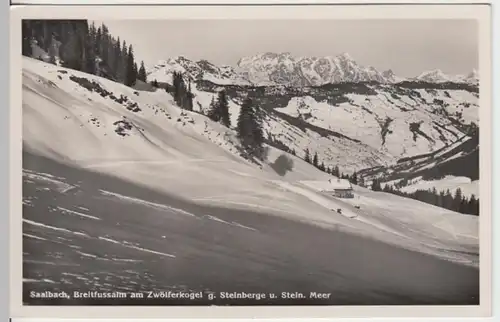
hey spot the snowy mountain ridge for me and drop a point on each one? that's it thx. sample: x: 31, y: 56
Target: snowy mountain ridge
x: 200, y: 70
x: 271, y: 69
x: 437, y: 76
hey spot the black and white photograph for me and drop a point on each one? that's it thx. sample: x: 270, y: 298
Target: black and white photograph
x: 247, y: 162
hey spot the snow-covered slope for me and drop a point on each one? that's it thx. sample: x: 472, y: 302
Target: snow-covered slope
x: 359, y: 125
x: 94, y: 123
x: 449, y: 168
x: 332, y: 146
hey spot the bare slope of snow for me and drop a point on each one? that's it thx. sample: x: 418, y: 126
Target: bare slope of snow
x: 97, y: 124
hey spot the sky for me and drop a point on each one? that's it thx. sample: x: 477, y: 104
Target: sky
x: 408, y: 47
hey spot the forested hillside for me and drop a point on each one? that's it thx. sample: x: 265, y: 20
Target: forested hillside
x: 81, y: 46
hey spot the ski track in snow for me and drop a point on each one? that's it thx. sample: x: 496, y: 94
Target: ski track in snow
x: 33, y: 236
x: 32, y: 280
x: 147, y: 203
x: 109, y: 240
x: 229, y: 223
x: 64, y: 210
x: 34, y: 223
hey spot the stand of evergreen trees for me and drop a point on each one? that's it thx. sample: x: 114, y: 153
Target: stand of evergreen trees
x: 248, y: 127
x: 83, y: 47
x: 334, y: 171
x: 444, y: 199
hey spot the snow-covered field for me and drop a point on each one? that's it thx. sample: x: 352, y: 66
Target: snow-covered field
x: 187, y: 155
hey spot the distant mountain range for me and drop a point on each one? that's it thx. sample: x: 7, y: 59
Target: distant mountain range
x: 284, y: 69
x: 437, y: 76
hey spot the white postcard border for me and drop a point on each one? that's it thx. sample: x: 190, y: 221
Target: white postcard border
x: 479, y: 12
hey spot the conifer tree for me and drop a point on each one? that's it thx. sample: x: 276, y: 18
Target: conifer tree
x: 258, y: 133
x: 122, y: 73
x: 90, y: 56
x: 212, y: 111
x: 111, y: 55
x: 118, y: 60
x: 435, y: 196
x: 130, y: 72
x: 243, y: 127
x: 307, y: 156
x: 463, y: 206
x: 249, y: 130
x: 457, y: 200
x: 354, y: 178
x: 219, y: 110
x: 448, y: 200
x: 223, y: 107
x: 376, y: 186
x: 473, y: 206
x: 104, y: 43
x: 142, y: 73
x: 179, y: 89
x: 315, y: 159
x: 441, y: 199
x: 97, y: 44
